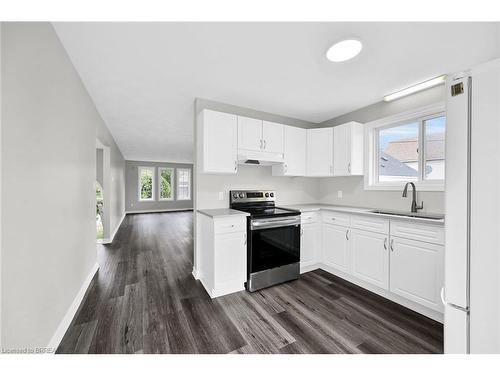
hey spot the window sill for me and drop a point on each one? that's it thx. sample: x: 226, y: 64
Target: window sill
x: 400, y: 187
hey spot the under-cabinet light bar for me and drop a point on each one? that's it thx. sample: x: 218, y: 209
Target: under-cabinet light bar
x: 416, y: 88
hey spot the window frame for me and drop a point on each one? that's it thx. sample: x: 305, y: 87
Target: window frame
x: 177, y: 195
x: 372, y: 129
x: 172, y: 183
x: 153, y: 184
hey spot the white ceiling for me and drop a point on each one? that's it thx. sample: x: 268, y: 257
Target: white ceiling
x: 144, y: 77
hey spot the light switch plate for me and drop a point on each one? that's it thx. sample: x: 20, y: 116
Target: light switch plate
x: 339, y: 194
x: 221, y: 195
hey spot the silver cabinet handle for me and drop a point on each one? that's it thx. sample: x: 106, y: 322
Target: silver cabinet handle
x: 392, y: 244
x: 265, y: 144
x: 333, y: 219
x: 385, y: 243
x: 286, y: 168
x: 347, y: 235
x: 235, y: 165
x: 349, y: 167
x: 302, y: 232
x: 261, y: 144
x: 245, y: 239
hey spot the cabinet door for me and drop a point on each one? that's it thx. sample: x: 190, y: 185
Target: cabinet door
x: 230, y: 263
x: 370, y: 257
x: 309, y: 245
x: 294, y: 151
x: 335, y: 247
x: 219, y: 142
x: 341, y: 150
x: 417, y: 271
x: 320, y: 152
x: 272, y: 137
x: 249, y: 133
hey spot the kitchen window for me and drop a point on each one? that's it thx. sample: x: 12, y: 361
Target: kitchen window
x: 183, y: 184
x: 146, y: 186
x: 165, y: 184
x: 407, y: 147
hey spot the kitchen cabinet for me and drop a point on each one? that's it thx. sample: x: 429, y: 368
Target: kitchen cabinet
x: 319, y: 152
x: 258, y: 135
x: 370, y: 257
x: 348, y: 146
x: 217, y: 142
x: 294, y: 153
x: 335, y: 246
x: 272, y: 137
x: 222, y: 249
x: 417, y: 271
x: 249, y: 134
x: 309, y: 242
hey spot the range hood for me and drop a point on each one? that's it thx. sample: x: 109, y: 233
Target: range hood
x: 259, y: 158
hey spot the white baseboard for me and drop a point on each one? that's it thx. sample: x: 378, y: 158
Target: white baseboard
x: 70, y: 314
x: 109, y: 240
x: 162, y: 210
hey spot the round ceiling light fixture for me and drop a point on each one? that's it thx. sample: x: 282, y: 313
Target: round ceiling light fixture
x: 344, y: 50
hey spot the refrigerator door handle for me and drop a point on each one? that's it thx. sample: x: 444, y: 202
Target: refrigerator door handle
x: 443, y: 299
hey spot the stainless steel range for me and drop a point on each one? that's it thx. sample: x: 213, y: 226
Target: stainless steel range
x: 273, y: 247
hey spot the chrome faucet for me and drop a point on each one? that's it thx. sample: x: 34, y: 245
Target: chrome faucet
x: 414, y: 206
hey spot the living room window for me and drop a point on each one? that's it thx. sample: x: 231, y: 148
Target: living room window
x: 183, y: 184
x: 146, y: 186
x: 166, y: 184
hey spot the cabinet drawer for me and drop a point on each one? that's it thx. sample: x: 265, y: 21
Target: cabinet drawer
x: 230, y: 225
x: 374, y: 224
x: 418, y: 231
x: 337, y: 218
x: 308, y: 217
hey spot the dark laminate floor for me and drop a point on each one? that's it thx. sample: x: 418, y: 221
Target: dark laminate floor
x: 145, y: 300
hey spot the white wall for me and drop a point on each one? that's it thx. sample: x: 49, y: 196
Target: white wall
x: 49, y: 130
x: 352, y: 187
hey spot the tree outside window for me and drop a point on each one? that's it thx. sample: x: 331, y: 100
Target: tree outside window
x: 146, y: 183
x: 166, y: 180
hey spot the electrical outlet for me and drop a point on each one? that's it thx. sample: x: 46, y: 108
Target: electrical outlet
x: 339, y: 194
x: 221, y: 195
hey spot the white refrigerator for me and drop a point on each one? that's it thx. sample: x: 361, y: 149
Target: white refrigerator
x: 471, y: 292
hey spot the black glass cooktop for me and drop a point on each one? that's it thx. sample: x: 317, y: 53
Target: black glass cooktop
x: 258, y: 212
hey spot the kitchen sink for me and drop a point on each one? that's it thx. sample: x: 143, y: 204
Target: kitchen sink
x: 409, y: 214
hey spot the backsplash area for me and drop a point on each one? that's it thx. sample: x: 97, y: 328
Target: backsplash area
x: 289, y: 190
x: 354, y: 194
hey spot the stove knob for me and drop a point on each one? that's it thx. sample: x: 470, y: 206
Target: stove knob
x: 235, y: 196
x: 267, y: 195
x: 272, y: 194
x: 241, y: 195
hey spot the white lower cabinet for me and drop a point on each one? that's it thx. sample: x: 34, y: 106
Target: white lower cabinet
x: 417, y: 271
x: 335, y: 246
x: 370, y: 257
x: 222, y: 253
x: 309, y: 246
x: 230, y: 263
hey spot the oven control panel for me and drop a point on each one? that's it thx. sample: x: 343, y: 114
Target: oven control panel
x: 251, y: 196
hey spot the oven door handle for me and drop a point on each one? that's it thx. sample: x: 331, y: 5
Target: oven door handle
x: 273, y: 223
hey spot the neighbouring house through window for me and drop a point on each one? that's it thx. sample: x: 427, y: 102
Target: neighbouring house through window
x: 412, y: 149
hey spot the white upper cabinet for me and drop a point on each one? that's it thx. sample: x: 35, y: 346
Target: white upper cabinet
x: 348, y: 149
x: 249, y: 134
x: 272, y: 137
x: 217, y: 142
x: 294, y: 151
x: 319, y: 152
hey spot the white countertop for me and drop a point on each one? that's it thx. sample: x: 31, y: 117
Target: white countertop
x: 362, y: 211
x: 222, y: 212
